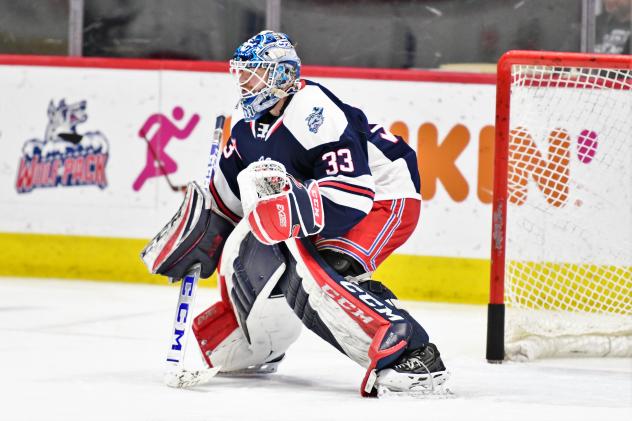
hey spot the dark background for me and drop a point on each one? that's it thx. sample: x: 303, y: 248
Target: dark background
x: 365, y: 33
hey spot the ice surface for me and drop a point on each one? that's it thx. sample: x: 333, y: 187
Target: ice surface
x: 75, y: 350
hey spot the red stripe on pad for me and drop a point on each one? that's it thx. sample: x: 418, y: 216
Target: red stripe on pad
x: 356, y: 309
x: 213, y: 326
x: 167, y: 248
x: 375, y: 355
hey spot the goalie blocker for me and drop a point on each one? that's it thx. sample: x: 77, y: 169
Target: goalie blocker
x: 195, y: 234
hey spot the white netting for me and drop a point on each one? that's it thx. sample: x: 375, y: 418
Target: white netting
x: 568, y: 270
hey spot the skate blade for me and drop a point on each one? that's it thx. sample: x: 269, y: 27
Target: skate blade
x: 183, y: 379
x: 438, y: 392
x: 427, y: 386
x: 253, y: 371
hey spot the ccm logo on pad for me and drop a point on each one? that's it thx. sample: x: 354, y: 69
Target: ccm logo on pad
x: 366, y: 298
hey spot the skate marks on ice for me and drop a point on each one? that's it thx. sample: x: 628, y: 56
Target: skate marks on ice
x: 278, y: 383
x: 103, y: 347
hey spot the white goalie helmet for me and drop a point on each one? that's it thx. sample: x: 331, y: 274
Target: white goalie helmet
x: 267, y: 69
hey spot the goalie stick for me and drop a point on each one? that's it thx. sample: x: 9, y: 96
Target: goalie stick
x: 176, y: 375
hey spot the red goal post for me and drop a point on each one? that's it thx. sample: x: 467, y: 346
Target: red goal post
x: 558, y: 84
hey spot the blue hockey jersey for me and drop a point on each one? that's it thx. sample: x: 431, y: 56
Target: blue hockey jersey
x: 319, y: 137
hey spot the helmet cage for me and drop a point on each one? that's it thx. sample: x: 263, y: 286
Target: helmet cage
x: 259, y: 91
x: 248, y: 72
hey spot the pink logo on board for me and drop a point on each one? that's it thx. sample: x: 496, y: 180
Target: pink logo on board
x: 158, y: 162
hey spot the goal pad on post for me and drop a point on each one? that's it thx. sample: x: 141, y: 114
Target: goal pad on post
x: 561, y: 274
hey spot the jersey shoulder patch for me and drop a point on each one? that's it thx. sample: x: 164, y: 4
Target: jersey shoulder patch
x: 313, y: 118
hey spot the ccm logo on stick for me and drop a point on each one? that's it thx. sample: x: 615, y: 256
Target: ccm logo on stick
x: 182, y: 314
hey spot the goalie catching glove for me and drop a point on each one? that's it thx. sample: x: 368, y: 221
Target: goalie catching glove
x: 195, y: 234
x: 295, y: 211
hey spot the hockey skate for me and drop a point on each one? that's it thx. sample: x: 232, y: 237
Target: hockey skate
x: 419, y: 373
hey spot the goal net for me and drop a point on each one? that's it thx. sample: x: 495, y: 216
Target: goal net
x: 562, y: 223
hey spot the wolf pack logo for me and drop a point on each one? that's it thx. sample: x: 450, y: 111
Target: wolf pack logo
x: 64, y: 157
x: 315, y: 119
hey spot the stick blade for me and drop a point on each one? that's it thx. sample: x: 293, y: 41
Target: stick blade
x: 183, y: 379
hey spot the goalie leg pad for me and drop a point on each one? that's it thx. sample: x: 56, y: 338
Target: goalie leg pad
x: 264, y: 325
x: 348, y: 267
x: 257, y: 267
x: 297, y: 298
x: 212, y: 327
x: 367, y: 328
x: 419, y: 337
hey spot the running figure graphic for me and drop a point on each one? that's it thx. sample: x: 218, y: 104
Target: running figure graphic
x: 158, y: 163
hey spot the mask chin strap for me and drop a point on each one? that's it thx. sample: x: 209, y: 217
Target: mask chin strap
x: 279, y: 93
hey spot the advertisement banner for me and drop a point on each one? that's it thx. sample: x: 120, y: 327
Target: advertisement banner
x: 87, y: 146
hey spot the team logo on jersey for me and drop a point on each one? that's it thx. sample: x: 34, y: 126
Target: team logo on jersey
x: 64, y: 157
x: 315, y: 119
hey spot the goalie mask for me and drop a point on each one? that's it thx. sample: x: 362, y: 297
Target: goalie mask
x: 267, y: 69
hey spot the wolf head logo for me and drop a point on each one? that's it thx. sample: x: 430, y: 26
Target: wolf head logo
x: 63, y: 120
x: 315, y: 119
